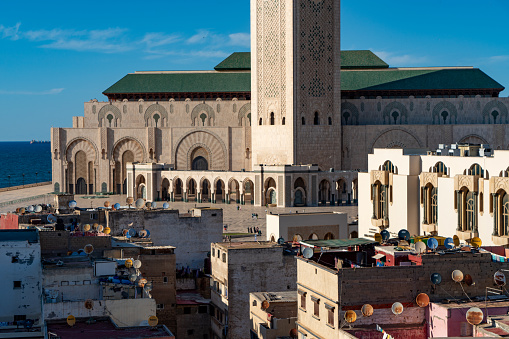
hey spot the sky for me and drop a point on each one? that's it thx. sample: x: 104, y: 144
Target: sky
x: 56, y: 55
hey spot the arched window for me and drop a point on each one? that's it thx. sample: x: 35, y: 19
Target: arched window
x: 272, y: 118
x: 440, y: 168
x: 476, y: 169
x: 330, y: 121
x: 467, y: 210
x: 284, y: 121
x: 501, y: 213
x: 317, y: 119
x: 388, y: 166
x: 380, y: 198
x: 303, y: 121
x: 260, y: 122
x: 430, y: 202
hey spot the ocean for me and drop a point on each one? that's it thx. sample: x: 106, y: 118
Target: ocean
x: 18, y: 158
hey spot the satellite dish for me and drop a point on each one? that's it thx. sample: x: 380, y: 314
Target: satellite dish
x: 476, y: 242
x: 367, y: 310
x: 432, y: 243
x: 457, y: 276
x: 307, y: 253
x: 385, y: 235
x: 142, y: 233
x: 128, y: 263
x: 153, y: 321
x: 129, y: 201
x: 132, y: 232
x: 294, y: 333
x: 106, y: 204
x: 499, y: 278
x: 467, y: 279
x: 148, y: 233
x: 166, y: 205
x: 422, y: 300
x: 404, y: 235
x: 378, y: 237
x: 148, y: 287
x: 71, y: 320
x: 95, y: 225
x: 30, y: 208
x: 456, y: 240
x: 142, y: 282
x: 38, y: 209
x: 148, y: 204
x: 89, y: 249
x: 397, y: 308
x: 132, y: 277
x: 89, y: 304
x: 139, y: 203
x: 124, y: 232
x: 449, y: 243
x: 22, y: 210
x: 51, y: 218
x: 153, y: 204
x: 436, y: 278
x: 281, y: 241
x: 116, y: 206
x: 420, y: 247
x: 265, y: 304
x: 107, y: 230
x: 100, y: 228
x: 137, y: 264
x: 73, y: 204
x: 350, y: 316
x: 475, y: 316
x: 86, y: 228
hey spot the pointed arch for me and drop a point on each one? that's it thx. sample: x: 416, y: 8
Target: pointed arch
x: 107, y: 109
x: 244, y: 111
x: 81, y: 144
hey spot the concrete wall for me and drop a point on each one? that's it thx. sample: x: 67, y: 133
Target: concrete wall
x: 191, y: 236
x: 72, y: 281
x: 60, y: 242
x: 20, y: 261
x: 125, y: 312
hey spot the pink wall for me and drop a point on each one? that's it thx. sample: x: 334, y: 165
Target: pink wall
x: 8, y: 222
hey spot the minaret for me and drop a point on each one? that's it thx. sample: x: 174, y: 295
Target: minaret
x: 295, y: 82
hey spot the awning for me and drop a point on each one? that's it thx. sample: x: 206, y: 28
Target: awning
x: 378, y: 256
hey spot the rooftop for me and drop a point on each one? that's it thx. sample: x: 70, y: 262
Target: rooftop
x: 30, y: 235
x: 246, y: 245
x: 191, y: 297
x: 337, y: 243
x: 275, y: 297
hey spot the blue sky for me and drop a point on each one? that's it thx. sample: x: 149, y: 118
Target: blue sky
x: 55, y: 55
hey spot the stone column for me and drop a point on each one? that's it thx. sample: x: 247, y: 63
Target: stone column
x: 495, y: 213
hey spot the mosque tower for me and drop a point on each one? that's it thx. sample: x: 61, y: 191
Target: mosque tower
x: 295, y: 82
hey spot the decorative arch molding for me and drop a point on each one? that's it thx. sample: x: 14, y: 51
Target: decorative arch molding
x: 216, y: 147
x: 445, y: 106
x: 156, y: 108
x: 202, y: 180
x: 471, y: 139
x: 243, y: 112
x: 395, y: 106
x: 192, y: 149
x: 396, y: 136
x: 199, y: 109
x: 491, y: 106
x: 128, y: 144
x: 108, y: 109
x: 216, y: 180
x: 351, y: 109
x: 81, y: 144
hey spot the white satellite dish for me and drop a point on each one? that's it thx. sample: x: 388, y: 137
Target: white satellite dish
x: 137, y: 264
x: 420, y: 247
x: 153, y: 204
x: 73, y: 204
x: 307, y: 253
x: 30, y: 208
x: 38, y: 209
x: 166, y: 205
x: 139, y: 203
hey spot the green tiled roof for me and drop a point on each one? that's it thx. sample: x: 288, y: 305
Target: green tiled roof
x: 235, y: 62
x: 394, y: 79
x: 361, y: 59
x: 182, y: 83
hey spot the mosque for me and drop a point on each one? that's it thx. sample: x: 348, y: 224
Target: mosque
x: 289, y: 124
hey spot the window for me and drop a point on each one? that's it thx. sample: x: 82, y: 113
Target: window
x: 272, y: 118
x: 224, y: 257
x: 213, y: 252
x: 284, y: 121
x: 316, y: 121
x: 316, y: 308
x: 476, y: 169
x: 430, y: 201
x: 388, y: 166
x: 218, y: 253
x: 330, y: 121
x: 380, y: 199
x: 17, y: 284
x: 330, y: 315
x: 501, y: 213
x: 160, y: 307
x: 202, y: 309
x: 302, y: 300
x: 190, y: 332
x: 440, y: 168
x: 303, y: 121
x: 260, y: 122
x: 187, y: 310
x: 165, y: 280
x: 467, y: 210
x: 20, y: 317
x: 255, y: 303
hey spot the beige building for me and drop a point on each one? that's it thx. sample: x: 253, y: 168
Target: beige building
x: 273, y: 314
x: 459, y: 189
x: 276, y: 126
x: 312, y: 226
x: 242, y: 268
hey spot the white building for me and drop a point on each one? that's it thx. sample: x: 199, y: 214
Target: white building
x: 311, y: 226
x: 460, y: 190
x: 20, y: 264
